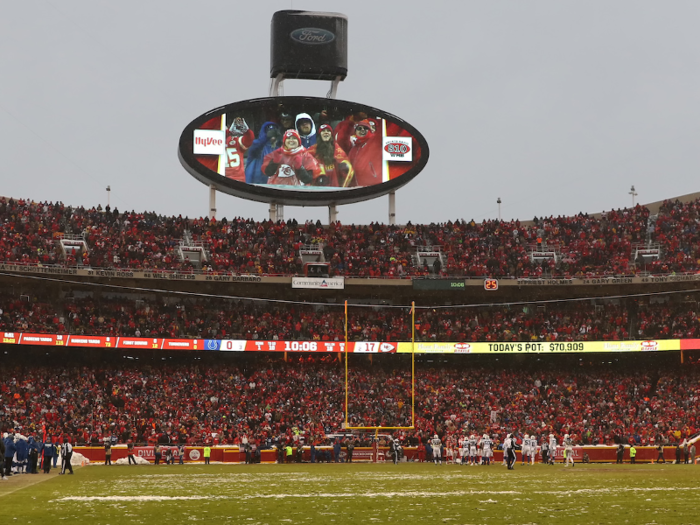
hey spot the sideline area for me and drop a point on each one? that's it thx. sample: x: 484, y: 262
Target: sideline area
x: 22, y: 481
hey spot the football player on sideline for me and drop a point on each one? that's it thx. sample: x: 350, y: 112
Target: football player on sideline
x: 526, y: 449
x: 552, y: 449
x: 487, y: 446
x: 436, y: 443
x: 472, y: 450
x: 545, y: 450
x: 533, y: 449
x: 568, y: 450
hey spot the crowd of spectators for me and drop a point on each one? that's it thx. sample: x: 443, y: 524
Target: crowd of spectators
x: 181, y: 317
x: 587, y: 246
x: 272, y: 400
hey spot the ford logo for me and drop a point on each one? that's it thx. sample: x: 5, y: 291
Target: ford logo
x: 312, y: 35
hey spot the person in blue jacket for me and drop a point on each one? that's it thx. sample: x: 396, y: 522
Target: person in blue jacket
x: 49, y: 454
x: 10, y: 450
x: 40, y: 451
x: 336, y: 451
x: 33, y: 455
x: 2, y: 460
x: 269, y: 139
x: 22, y: 450
x: 306, y: 129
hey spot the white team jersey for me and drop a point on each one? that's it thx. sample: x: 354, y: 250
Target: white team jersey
x: 486, y: 443
x: 436, y: 443
x: 568, y: 443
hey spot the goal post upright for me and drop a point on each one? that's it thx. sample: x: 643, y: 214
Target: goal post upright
x: 376, y: 429
x: 413, y: 364
x: 346, y: 363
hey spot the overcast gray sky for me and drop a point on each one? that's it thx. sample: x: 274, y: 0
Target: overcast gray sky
x: 554, y: 106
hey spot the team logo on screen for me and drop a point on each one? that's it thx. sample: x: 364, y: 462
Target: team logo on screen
x: 312, y: 35
x: 463, y: 348
x: 650, y: 345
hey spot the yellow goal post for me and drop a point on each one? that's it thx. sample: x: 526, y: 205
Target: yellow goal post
x: 377, y: 429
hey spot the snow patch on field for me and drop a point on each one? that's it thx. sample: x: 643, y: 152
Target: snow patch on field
x: 138, y: 459
x: 371, y: 495
x: 132, y: 499
x: 615, y: 490
x: 403, y: 494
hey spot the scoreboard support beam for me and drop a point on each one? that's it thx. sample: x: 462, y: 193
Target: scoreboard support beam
x: 212, y: 202
x: 277, y: 85
x: 332, y: 214
x: 276, y: 212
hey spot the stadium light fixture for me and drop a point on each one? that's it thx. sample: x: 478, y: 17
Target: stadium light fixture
x: 633, y: 193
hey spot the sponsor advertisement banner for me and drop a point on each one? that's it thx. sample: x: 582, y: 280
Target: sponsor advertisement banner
x: 439, y: 284
x: 143, y: 274
x: 232, y: 454
x: 397, y: 149
x: 319, y: 283
x: 544, y: 347
x: 208, y: 142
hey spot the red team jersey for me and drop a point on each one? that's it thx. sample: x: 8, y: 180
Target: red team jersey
x: 233, y: 160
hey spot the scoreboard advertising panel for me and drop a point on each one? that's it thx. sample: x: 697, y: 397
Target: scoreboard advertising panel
x: 302, y: 151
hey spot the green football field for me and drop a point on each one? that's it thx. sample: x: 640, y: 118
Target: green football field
x: 356, y: 493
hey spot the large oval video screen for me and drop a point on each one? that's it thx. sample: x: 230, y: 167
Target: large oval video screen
x: 302, y: 150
